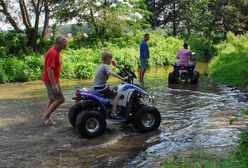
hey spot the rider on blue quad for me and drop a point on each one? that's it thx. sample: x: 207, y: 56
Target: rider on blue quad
x: 185, y: 57
x: 93, y: 107
x: 100, y: 83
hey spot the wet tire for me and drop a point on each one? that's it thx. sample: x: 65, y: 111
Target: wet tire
x: 172, y: 78
x: 147, y: 119
x: 90, y: 124
x: 195, y: 77
x: 78, y: 108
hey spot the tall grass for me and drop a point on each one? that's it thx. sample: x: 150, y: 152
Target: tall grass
x: 230, y: 64
x: 80, y: 59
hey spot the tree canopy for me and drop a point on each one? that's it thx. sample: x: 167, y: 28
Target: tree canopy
x: 206, y: 16
x: 111, y: 18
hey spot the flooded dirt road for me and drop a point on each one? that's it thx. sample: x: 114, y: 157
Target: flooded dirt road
x: 194, y: 117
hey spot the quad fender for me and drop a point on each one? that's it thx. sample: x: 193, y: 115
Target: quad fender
x: 126, y: 97
x: 130, y: 105
x: 132, y: 102
x: 125, y: 87
x: 101, y: 100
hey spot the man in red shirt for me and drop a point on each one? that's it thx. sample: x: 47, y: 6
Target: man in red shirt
x: 50, y: 77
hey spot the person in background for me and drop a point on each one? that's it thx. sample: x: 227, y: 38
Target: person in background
x: 144, y: 57
x: 100, y: 83
x: 184, y: 55
x: 50, y: 77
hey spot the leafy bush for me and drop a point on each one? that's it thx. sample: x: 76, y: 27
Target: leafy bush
x: 68, y: 70
x: 13, y: 43
x: 203, y: 47
x: 34, y: 66
x: 15, y: 69
x: 84, y: 70
x: 44, y: 44
x: 3, y: 76
x: 230, y: 64
x: 83, y: 54
x: 126, y: 48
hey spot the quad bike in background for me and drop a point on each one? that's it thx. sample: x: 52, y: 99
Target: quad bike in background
x: 184, y: 73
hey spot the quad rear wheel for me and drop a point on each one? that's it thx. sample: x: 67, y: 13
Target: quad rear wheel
x: 78, y: 108
x: 195, y: 77
x: 90, y: 124
x: 172, y: 78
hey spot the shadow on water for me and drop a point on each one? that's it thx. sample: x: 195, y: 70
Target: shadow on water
x: 193, y: 117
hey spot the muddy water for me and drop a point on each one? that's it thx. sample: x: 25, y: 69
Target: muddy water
x: 193, y: 117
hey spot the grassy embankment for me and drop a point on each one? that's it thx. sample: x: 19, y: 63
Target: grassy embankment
x: 230, y: 64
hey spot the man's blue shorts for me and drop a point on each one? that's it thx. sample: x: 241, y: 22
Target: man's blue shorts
x: 143, y: 63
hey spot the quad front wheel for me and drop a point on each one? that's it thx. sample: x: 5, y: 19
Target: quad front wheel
x: 147, y: 119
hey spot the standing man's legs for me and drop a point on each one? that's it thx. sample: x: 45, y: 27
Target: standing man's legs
x: 53, y: 106
x: 142, y: 74
x: 142, y: 71
x: 49, y: 102
x: 54, y: 101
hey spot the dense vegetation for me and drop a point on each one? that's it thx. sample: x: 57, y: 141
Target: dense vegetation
x: 106, y: 19
x: 80, y: 62
x: 230, y: 64
x: 212, y: 18
x: 118, y: 26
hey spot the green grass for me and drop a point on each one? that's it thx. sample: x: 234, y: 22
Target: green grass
x: 235, y: 159
x: 230, y: 64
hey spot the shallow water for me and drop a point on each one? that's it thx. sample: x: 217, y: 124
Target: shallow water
x: 193, y: 117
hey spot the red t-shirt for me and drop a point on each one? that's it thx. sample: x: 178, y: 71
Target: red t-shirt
x: 53, y: 60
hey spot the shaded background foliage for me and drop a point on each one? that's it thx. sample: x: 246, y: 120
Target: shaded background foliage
x: 117, y: 26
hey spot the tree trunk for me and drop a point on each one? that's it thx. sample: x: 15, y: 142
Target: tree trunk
x: 13, y: 23
x: 6, y: 13
x: 32, y: 37
x: 31, y: 31
x: 46, y: 22
x: 188, y: 27
x: 174, y: 22
x: 37, y: 10
x: 25, y: 17
x: 92, y: 20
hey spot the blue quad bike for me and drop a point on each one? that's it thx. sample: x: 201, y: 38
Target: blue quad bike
x: 89, y: 113
x: 184, y: 73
